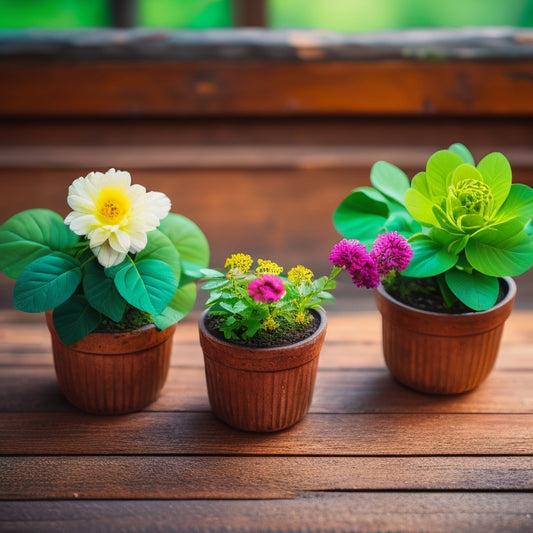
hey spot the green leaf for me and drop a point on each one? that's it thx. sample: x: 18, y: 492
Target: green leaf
x: 501, y: 257
x: 475, y: 290
x: 465, y: 172
x: 160, y: 248
x: 29, y: 235
x: 74, y: 319
x: 362, y: 215
x: 187, y: 238
x: 148, y: 285
x: 463, y: 152
x: 47, y: 283
x: 497, y: 174
x: 519, y: 203
x: 178, y: 308
x: 102, y: 293
x: 389, y: 180
x: 420, y: 207
x: 429, y: 258
x: 439, y: 169
x: 210, y: 273
x: 215, y: 284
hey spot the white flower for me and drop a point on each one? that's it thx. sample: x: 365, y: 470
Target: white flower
x: 113, y: 214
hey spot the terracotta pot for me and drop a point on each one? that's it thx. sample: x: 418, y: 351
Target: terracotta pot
x: 113, y: 373
x: 441, y: 353
x: 261, y: 389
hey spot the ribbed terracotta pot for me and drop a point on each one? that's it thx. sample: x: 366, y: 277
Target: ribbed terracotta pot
x: 441, y: 353
x: 261, y: 389
x: 113, y: 373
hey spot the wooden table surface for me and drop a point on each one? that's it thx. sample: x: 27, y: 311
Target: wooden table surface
x: 371, y: 455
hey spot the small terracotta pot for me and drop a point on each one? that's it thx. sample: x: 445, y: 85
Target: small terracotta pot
x: 113, y: 373
x: 261, y: 389
x: 441, y: 353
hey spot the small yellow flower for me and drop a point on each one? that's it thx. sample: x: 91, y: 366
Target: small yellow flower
x: 241, y: 262
x: 268, y: 267
x: 300, y: 274
x: 301, y: 318
x: 269, y: 324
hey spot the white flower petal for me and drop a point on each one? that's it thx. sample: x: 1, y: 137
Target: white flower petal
x: 108, y: 257
x: 158, y: 204
x: 98, y: 236
x: 138, y: 241
x: 80, y: 223
x: 120, y: 241
x: 118, y: 178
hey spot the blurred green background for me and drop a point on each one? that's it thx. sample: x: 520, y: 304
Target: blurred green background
x: 339, y: 15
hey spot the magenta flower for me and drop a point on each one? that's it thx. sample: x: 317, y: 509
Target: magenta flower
x: 391, y: 251
x: 353, y: 257
x: 267, y: 288
x: 348, y: 254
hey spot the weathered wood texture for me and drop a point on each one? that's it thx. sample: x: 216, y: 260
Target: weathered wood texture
x: 371, y: 455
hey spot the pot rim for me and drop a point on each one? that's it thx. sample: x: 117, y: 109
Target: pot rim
x: 243, y: 347
x: 511, y: 294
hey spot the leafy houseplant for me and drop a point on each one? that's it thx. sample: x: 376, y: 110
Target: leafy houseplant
x: 262, y: 333
x: 470, y: 229
x: 119, y: 261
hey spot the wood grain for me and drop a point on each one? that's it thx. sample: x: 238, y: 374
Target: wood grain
x: 318, y: 434
x: 152, y: 477
x: 163, y: 88
x: 438, y: 512
x: 348, y: 391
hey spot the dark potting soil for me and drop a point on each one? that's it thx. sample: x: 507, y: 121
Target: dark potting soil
x: 424, y: 294
x: 282, y: 336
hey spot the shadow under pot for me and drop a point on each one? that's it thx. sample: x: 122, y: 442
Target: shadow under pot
x: 261, y: 389
x: 113, y: 373
x: 442, y: 353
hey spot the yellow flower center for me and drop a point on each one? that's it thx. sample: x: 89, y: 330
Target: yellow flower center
x: 112, y: 205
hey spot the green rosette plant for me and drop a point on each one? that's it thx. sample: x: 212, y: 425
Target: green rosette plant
x: 468, y: 225
x: 120, y: 258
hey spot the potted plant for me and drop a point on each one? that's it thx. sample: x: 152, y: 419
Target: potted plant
x: 470, y: 231
x: 114, y: 277
x: 262, y: 333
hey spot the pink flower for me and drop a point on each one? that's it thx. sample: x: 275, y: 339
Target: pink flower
x: 267, y: 288
x: 391, y: 251
x: 353, y: 257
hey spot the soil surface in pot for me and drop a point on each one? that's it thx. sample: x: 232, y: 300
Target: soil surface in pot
x: 424, y: 294
x: 282, y: 336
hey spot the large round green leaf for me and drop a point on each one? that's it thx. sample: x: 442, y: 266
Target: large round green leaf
x: 497, y: 174
x: 463, y: 152
x: 362, y: 215
x: 148, y: 285
x: 477, y: 291
x: 178, y: 308
x: 439, y: 169
x: 47, y: 283
x: 160, y: 248
x: 102, y: 293
x: 187, y: 238
x: 519, y: 203
x: 389, y: 180
x: 74, y: 319
x: 501, y: 257
x: 29, y: 235
x: 429, y: 258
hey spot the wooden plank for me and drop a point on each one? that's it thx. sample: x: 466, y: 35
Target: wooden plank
x: 211, y: 88
x: 318, y: 434
x: 348, y: 391
x: 437, y: 512
x: 353, y: 340
x: 39, y: 478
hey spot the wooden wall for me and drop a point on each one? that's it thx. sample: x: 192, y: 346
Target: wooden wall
x: 254, y: 134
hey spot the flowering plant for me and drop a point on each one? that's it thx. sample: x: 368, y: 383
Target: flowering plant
x: 468, y: 225
x: 260, y: 303
x: 118, y: 256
